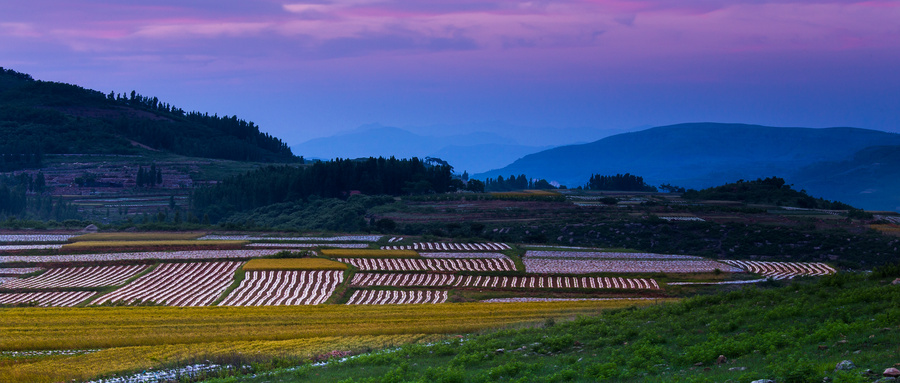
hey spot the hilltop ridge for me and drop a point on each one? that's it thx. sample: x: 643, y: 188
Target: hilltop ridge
x: 42, y: 117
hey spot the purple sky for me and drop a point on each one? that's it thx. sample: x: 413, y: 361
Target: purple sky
x: 309, y: 69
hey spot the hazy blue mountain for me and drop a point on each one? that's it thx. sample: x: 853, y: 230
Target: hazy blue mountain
x: 701, y: 155
x: 871, y: 178
x: 471, y: 151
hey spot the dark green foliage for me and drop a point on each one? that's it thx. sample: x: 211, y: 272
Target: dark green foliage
x: 772, y: 190
x: 39, y: 117
x: 886, y: 271
x: 619, y: 182
x: 520, y: 182
x: 318, y: 214
x: 332, y: 179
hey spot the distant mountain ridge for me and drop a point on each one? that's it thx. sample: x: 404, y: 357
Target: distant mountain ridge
x: 699, y: 155
x: 472, y: 152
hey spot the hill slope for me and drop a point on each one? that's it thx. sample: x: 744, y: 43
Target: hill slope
x: 699, y: 155
x: 40, y: 117
x: 871, y: 177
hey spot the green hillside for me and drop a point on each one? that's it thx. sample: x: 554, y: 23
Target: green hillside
x: 41, y: 117
x: 797, y: 333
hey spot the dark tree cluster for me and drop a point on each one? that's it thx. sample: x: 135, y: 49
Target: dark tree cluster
x: 339, y: 178
x: 16, y: 158
x: 772, y: 190
x: 16, y: 201
x: 150, y: 177
x: 520, y: 182
x: 619, y: 182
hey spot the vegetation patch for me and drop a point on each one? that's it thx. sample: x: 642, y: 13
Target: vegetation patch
x: 370, y: 253
x: 294, y: 264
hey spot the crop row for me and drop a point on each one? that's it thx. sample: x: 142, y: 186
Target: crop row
x: 401, y: 264
x: 53, y: 298
x: 34, y: 237
x: 30, y: 247
x: 528, y: 282
x: 358, y: 238
x: 6, y: 279
x: 784, y: 270
x: 394, y: 297
x: 295, y: 264
x: 373, y: 253
x: 69, y: 277
x: 441, y: 246
x: 404, y: 280
x: 395, y: 239
x: 19, y: 270
x: 275, y: 288
x: 559, y: 282
x: 601, y: 254
x: 140, y: 255
x: 462, y: 255
x: 178, y: 284
x: 570, y: 266
x: 310, y: 245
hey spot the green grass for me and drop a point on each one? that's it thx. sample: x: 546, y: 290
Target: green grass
x: 789, y: 332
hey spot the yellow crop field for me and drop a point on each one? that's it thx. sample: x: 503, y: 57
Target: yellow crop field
x: 147, y: 243
x: 887, y: 229
x: 151, y: 236
x: 136, y: 358
x: 103, y: 327
x: 294, y: 264
x: 133, y: 338
x: 370, y: 253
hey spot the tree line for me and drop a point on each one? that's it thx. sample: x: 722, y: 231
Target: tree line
x: 771, y: 190
x: 520, y: 182
x: 619, y: 182
x: 339, y: 178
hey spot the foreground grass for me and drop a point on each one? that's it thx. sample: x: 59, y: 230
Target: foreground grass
x: 794, y: 333
x: 136, y: 338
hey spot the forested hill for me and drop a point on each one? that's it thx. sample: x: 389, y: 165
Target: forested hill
x: 41, y: 117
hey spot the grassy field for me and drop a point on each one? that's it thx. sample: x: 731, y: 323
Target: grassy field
x: 796, y: 333
x: 132, y: 338
x: 370, y: 253
x: 294, y: 264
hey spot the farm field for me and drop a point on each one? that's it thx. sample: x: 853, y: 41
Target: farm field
x: 441, y: 246
x: 276, y: 288
x: 783, y: 270
x: 177, y: 284
x: 133, y: 338
x: 139, y: 255
x: 74, y: 277
x: 511, y: 282
x: 576, y: 266
x: 395, y: 297
x: 430, y: 264
x: 515, y: 278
